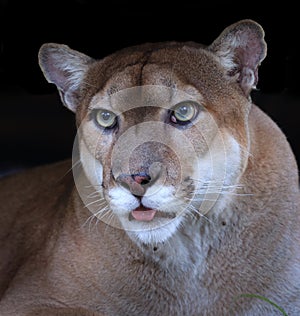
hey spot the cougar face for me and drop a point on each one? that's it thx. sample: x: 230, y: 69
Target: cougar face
x: 155, y: 169
x: 162, y: 129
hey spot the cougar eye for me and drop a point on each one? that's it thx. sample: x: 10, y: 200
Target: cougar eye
x: 105, y: 118
x: 184, y: 112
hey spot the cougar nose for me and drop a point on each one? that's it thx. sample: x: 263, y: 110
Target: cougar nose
x: 141, y: 178
x: 135, y: 182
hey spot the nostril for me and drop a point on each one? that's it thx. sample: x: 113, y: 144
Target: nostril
x: 141, y: 178
x: 143, y: 182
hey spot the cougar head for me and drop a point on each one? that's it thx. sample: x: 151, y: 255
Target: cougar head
x: 162, y: 127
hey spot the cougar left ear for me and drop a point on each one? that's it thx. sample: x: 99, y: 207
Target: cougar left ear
x: 65, y: 68
x: 241, y: 48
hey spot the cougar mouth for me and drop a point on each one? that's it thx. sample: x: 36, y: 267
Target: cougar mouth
x: 145, y: 214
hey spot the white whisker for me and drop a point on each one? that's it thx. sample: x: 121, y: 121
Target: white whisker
x: 102, y: 200
x: 193, y: 210
x: 215, y: 187
x: 76, y: 163
x: 69, y: 170
x: 97, y: 216
x: 110, y: 218
x: 101, y: 213
x: 93, y: 186
x: 196, y: 192
x: 94, y: 194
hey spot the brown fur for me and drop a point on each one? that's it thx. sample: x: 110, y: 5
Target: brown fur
x: 55, y: 262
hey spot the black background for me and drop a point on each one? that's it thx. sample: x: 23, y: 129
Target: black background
x: 35, y: 128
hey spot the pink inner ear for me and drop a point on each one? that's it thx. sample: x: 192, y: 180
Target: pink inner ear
x: 56, y: 74
x: 250, y: 51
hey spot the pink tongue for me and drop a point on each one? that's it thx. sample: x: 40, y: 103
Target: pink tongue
x: 143, y: 214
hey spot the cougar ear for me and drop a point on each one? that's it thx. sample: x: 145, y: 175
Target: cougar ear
x: 65, y: 68
x: 241, y: 48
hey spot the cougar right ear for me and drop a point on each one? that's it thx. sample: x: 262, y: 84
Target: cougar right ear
x: 241, y: 48
x: 66, y: 68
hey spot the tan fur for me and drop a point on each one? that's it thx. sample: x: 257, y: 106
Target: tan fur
x: 57, y: 259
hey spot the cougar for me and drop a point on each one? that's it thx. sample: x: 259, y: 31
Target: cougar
x: 181, y: 196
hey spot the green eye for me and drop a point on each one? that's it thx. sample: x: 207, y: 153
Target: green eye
x: 105, y: 118
x: 184, y: 112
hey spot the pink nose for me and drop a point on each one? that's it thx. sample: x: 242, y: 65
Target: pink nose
x: 141, y: 178
x: 135, y: 182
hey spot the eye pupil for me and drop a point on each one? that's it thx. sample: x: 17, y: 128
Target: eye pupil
x: 106, y: 116
x: 183, y: 110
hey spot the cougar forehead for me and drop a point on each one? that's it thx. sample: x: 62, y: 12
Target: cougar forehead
x: 166, y: 64
x: 161, y: 88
